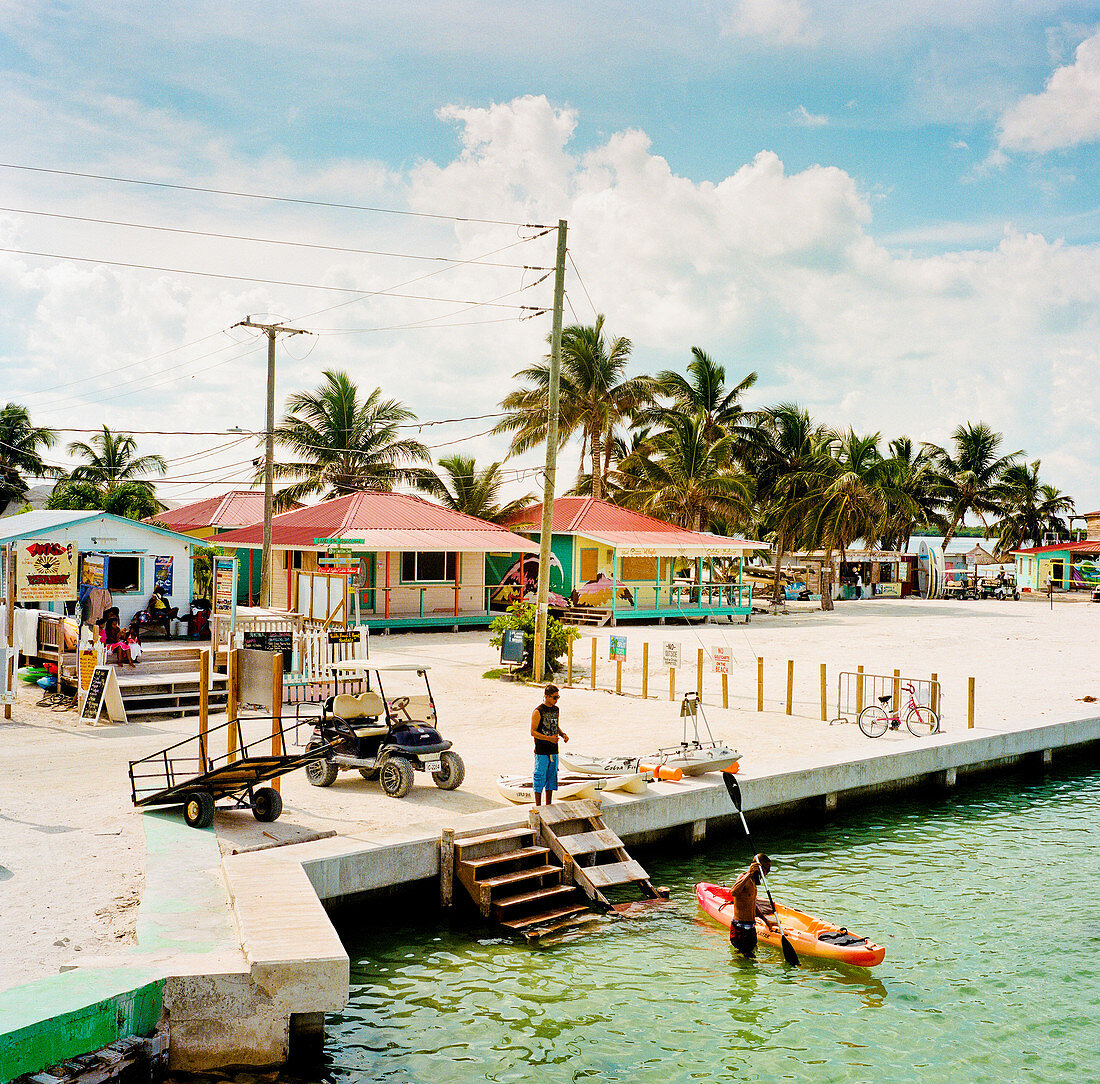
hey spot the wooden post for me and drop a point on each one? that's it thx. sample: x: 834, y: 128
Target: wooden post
x: 725, y: 690
x: 897, y: 690
x: 699, y: 675
x: 969, y: 703
x: 760, y: 683
x: 645, y: 670
x: 593, y: 679
x: 569, y: 663
x: 859, y: 689
x: 204, y: 699
x: 790, y: 686
x: 232, y: 658
x: 9, y: 621
x: 446, y: 867
x: 276, y: 710
x: 824, y: 696
x: 618, y: 677
x: 934, y: 694
x: 672, y: 683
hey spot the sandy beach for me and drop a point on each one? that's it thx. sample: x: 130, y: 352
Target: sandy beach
x: 72, y: 846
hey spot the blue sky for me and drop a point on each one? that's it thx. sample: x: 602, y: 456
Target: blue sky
x: 890, y: 212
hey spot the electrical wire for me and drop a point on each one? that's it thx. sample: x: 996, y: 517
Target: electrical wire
x: 271, y: 198
x: 581, y: 281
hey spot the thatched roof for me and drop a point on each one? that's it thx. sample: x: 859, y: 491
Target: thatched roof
x: 979, y: 556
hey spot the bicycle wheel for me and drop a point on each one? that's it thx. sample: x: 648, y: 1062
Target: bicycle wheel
x: 873, y: 721
x: 922, y: 721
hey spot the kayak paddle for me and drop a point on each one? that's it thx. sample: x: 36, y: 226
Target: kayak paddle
x: 789, y: 953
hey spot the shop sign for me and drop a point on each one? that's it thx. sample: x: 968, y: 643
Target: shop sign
x: 618, y: 648
x: 162, y: 574
x: 45, y: 571
x: 225, y: 589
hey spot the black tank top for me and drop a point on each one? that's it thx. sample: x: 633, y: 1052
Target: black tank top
x: 548, y: 724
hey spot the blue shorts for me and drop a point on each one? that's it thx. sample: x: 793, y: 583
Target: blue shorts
x: 546, y: 772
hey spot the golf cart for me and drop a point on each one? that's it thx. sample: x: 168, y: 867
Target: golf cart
x: 387, y: 732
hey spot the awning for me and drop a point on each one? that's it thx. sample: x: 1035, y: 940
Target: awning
x: 396, y: 540
x: 671, y: 544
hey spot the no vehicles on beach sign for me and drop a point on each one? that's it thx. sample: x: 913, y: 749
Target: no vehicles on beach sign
x: 723, y: 663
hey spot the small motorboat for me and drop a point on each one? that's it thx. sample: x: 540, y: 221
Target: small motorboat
x: 694, y: 756
x: 808, y: 935
x: 520, y: 789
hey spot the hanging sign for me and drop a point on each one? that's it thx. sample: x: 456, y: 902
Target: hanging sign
x: 272, y: 640
x: 343, y: 636
x: 103, y: 691
x: 670, y: 655
x: 723, y: 664
x: 93, y: 570
x: 162, y: 574
x: 45, y: 571
x: 618, y: 648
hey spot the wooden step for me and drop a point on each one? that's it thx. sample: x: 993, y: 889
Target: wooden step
x: 561, y: 812
x: 532, y: 921
x: 493, y: 837
x: 615, y: 873
x: 583, y: 843
x: 519, y: 876
x: 551, y: 894
x: 551, y: 934
x: 476, y: 864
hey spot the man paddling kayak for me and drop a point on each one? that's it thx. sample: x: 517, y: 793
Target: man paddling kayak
x: 746, y: 908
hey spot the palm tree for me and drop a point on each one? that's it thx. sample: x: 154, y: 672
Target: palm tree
x: 463, y: 488
x: 704, y: 390
x: 134, y: 500
x: 913, y: 479
x: 111, y: 460
x: 594, y: 397
x: 971, y: 476
x: 1030, y: 509
x: 345, y: 444
x: 786, y: 457
x: 683, y: 477
x: 20, y: 444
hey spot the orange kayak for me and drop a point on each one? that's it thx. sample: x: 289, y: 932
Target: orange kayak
x: 809, y: 936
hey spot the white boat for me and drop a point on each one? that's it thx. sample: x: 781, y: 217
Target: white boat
x: 519, y: 788
x: 695, y: 756
x: 605, y: 766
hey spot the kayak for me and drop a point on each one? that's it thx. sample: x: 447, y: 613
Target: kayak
x: 697, y: 757
x: 586, y: 765
x: 519, y: 789
x: 809, y: 935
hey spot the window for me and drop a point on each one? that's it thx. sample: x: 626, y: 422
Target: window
x: 428, y: 567
x: 123, y: 574
x: 639, y: 568
x: 589, y: 564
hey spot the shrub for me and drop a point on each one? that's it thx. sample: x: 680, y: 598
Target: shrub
x: 521, y: 615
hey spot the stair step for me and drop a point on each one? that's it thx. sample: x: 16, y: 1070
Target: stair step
x: 508, y: 856
x: 569, y: 925
x: 493, y: 837
x: 615, y: 873
x: 532, y: 921
x: 519, y: 876
x: 560, y: 812
x: 584, y: 843
x: 554, y: 892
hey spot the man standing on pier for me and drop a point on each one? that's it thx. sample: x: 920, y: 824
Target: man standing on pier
x: 546, y: 731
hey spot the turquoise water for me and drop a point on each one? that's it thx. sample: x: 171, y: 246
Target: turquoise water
x: 986, y: 901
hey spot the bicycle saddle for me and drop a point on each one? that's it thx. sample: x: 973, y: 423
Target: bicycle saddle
x: 885, y: 699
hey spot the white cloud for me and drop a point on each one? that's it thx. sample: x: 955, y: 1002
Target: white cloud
x: 805, y: 119
x: 1067, y: 111
x: 772, y: 22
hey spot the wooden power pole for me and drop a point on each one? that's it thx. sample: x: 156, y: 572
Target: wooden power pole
x: 542, y: 600
x: 270, y: 330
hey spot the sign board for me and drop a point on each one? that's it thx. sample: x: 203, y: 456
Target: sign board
x: 511, y: 647
x: 225, y: 590
x: 88, y: 660
x: 670, y: 655
x: 618, y: 648
x: 689, y: 707
x: 269, y: 641
x: 45, y: 571
x: 103, y: 691
x: 162, y: 574
x: 7, y: 688
x: 93, y: 570
x: 343, y: 636
x: 339, y: 543
x: 723, y: 664
x: 254, y: 679
x: 888, y: 590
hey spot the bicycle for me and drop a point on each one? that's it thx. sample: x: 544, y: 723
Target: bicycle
x: 875, y: 720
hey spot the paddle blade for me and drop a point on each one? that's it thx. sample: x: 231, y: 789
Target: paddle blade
x: 734, y: 790
x: 789, y: 953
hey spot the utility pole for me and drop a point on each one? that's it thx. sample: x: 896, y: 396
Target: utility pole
x: 542, y: 600
x: 270, y: 330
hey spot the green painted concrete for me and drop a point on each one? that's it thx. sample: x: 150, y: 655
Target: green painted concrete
x: 45, y: 1022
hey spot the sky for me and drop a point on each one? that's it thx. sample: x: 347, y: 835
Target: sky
x: 890, y: 212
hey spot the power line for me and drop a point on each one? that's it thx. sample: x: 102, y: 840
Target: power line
x: 270, y: 240
x: 270, y: 198
x: 583, y: 287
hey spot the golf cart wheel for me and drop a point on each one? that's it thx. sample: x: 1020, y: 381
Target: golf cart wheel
x: 267, y: 804
x: 198, y: 810
x: 369, y: 774
x: 451, y: 772
x: 396, y: 777
x: 321, y: 772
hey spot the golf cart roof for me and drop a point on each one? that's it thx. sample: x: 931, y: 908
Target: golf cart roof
x: 381, y: 661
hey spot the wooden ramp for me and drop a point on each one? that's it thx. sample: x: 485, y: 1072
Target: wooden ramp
x: 592, y: 856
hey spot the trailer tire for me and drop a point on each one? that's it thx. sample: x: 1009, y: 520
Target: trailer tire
x: 198, y: 810
x: 396, y: 777
x: 267, y: 804
x: 451, y: 772
x: 321, y: 772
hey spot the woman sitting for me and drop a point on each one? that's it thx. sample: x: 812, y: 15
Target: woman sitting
x: 115, y: 640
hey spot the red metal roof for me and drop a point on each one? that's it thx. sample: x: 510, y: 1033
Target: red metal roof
x: 381, y: 521
x: 622, y: 528
x: 238, y: 508
x: 1088, y: 546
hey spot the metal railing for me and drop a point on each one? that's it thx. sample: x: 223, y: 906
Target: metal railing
x: 857, y: 690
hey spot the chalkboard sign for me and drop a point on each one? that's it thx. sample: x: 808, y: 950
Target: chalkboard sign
x: 343, y: 636
x: 103, y: 689
x: 511, y: 647
x: 273, y: 641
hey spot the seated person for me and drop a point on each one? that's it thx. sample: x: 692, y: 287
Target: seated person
x: 115, y: 640
x: 158, y: 613
x: 198, y: 620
